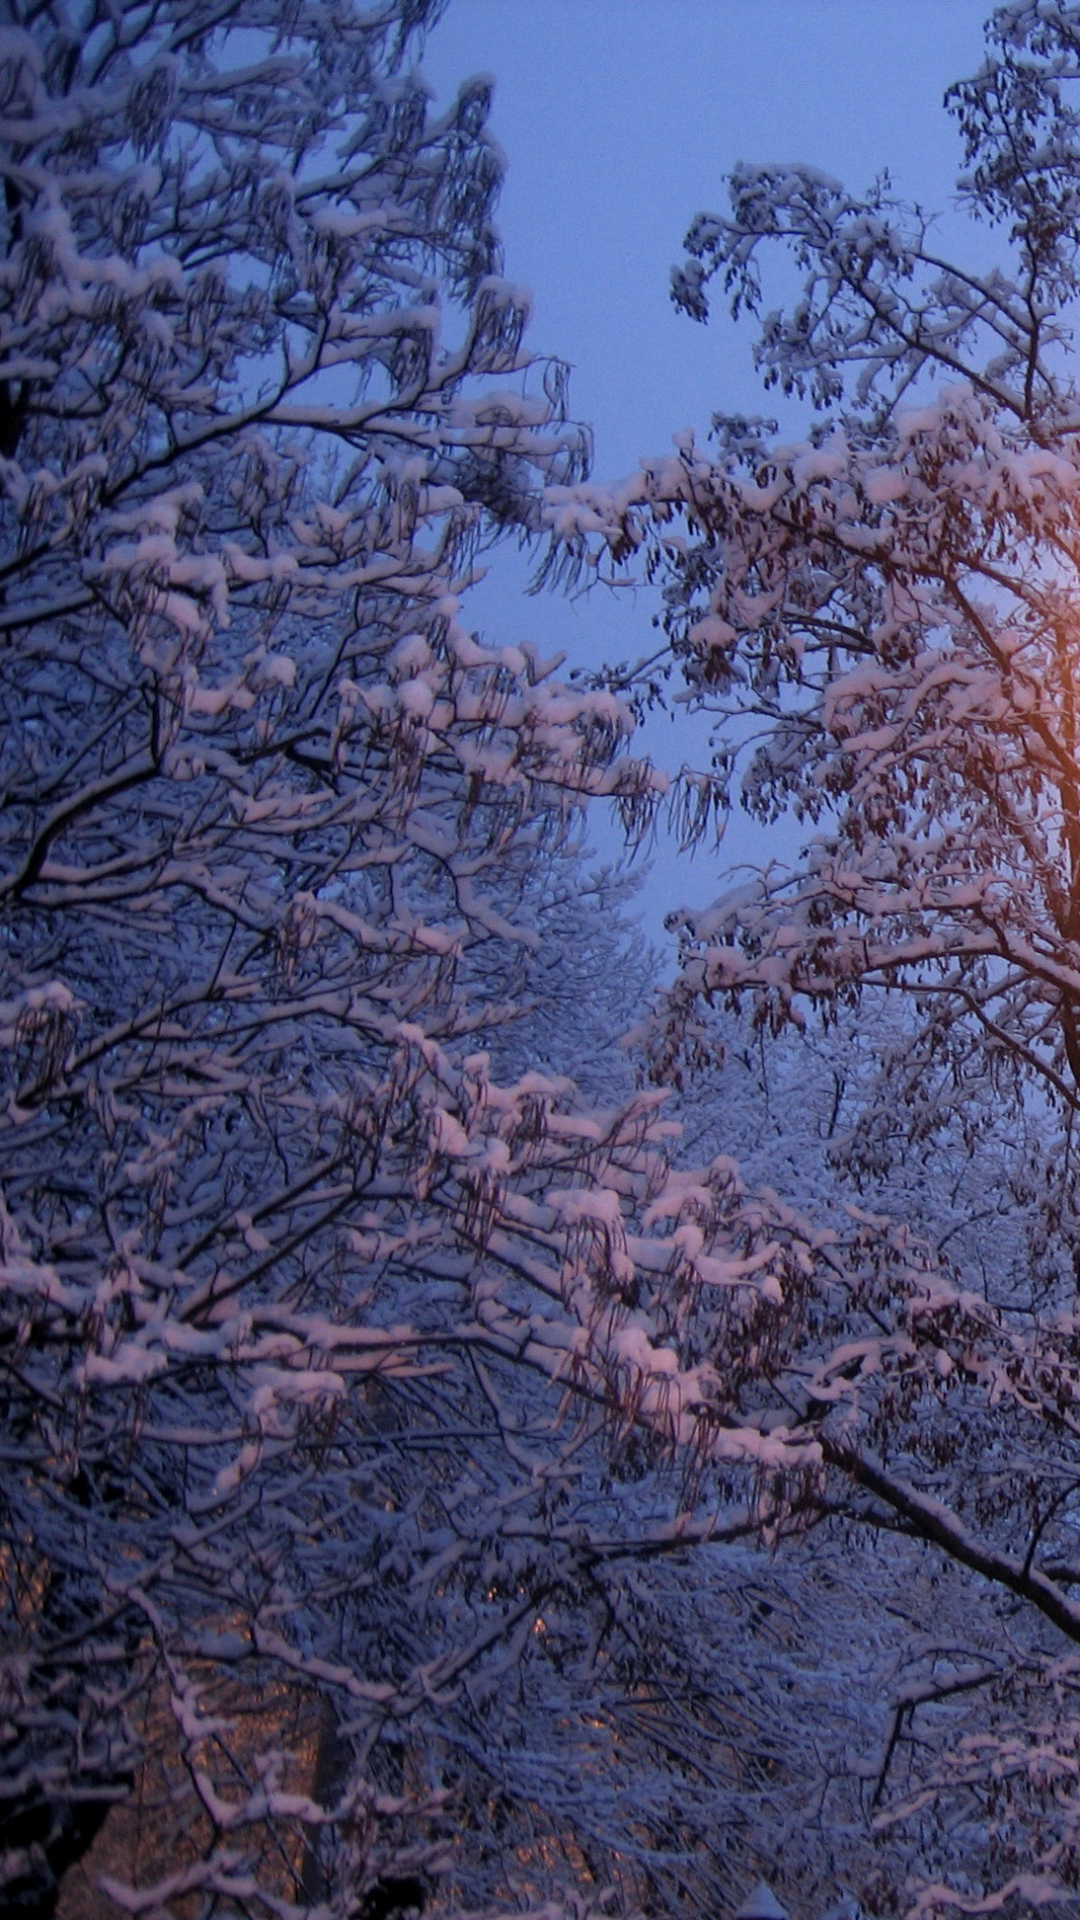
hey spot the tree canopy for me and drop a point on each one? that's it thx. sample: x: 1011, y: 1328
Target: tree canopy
x: 884, y: 619
x: 326, y: 1315
x: 392, y: 1422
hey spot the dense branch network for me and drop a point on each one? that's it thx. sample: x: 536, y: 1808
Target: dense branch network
x: 883, y: 619
x: 326, y: 1317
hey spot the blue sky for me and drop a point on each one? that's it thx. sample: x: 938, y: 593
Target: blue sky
x: 619, y: 120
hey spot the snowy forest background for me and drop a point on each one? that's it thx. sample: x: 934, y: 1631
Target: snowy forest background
x: 496, y: 1418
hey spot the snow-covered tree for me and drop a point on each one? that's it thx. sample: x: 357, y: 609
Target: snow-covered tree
x: 885, y: 620
x: 377, y: 1402
x: 326, y: 1318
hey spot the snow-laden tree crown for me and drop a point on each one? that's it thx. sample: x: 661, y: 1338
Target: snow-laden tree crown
x: 343, y: 1335
x: 884, y: 619
x: 392, y: 1423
